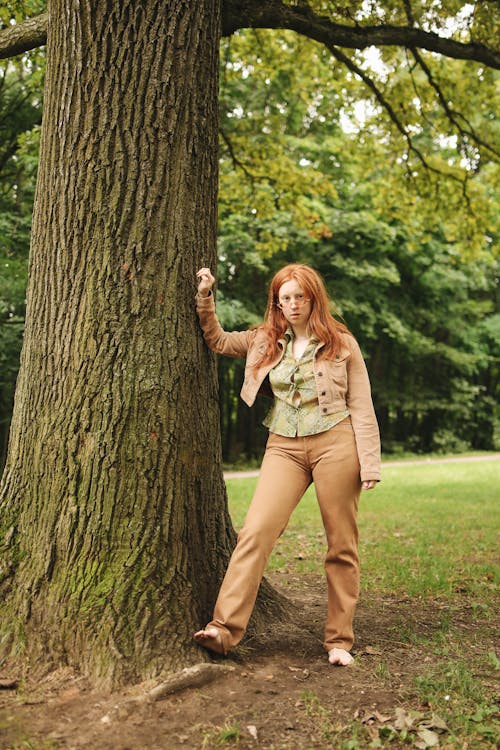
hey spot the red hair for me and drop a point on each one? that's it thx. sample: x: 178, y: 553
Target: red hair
x: 322, y: 325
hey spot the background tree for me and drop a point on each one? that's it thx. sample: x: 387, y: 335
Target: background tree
x: 20, y: 117
x: 114, y: 530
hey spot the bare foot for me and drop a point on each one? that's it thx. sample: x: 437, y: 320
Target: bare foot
x: 210, y: 638
x: 340, y: 657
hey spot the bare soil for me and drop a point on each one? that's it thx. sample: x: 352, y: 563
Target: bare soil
x: 282, y: 693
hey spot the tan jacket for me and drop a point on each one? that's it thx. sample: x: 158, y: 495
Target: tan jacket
x: 342, y: 383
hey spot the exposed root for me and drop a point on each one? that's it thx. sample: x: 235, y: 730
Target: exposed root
x: 196, y: 676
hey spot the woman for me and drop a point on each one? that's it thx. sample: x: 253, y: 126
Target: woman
x: 322, y: 429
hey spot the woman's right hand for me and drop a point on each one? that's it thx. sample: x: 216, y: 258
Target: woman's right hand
x: 206, y: 282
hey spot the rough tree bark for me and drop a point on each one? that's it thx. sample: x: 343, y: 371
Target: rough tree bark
x: 114, y: 531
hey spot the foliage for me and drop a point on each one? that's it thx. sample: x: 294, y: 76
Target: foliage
x: 332, y: 136
x: 12, y: 291
x: 422, y: 329
x: 20, y: 115
x: 19, y: 10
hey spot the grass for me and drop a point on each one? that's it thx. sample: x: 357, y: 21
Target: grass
x: 219, y: 737
x: 426, y: 530
x: 428, y: 533
x: 471, y: 710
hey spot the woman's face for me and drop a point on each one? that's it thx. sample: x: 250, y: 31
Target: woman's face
x: 293, y: 303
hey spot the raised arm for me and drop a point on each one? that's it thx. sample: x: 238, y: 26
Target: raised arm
x: 233, y: 344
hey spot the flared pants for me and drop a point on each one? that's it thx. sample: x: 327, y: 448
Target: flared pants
x: 290, y: 465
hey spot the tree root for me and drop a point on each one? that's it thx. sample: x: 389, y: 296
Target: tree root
x: 196, y: 676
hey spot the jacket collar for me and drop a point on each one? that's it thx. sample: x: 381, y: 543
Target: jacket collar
x: 289, y: 334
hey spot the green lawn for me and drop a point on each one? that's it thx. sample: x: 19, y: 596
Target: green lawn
x: 431, y: 529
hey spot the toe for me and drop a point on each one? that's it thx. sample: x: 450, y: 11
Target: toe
x: 340, y: 657
x: 210, y: 638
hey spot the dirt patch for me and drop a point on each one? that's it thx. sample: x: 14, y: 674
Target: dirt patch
x: 282, y: 693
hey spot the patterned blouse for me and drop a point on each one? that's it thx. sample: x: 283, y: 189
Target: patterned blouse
x: 295, y: 411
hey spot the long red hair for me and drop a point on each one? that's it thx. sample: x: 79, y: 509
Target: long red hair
x: 322, y: 325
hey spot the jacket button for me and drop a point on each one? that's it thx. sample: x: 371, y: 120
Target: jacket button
x: 324, y: 410
x: 323, y: 393
x: 320, y: 374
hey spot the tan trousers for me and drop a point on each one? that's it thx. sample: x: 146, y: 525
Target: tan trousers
x: 330, y: 460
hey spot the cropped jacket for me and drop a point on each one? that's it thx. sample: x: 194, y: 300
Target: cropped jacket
x: 342, y: 383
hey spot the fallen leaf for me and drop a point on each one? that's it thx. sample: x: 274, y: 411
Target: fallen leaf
x: 252, y: 730
x: 426, y: 738
x: 373, y: 717
x: 373, y: 732
x: 437, y: 722
x: 406, y: 720
x: 372, y: 651
x: 295, y: 669
x: 382, y: 719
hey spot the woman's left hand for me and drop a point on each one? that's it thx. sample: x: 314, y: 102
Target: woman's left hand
x: 368, y: 484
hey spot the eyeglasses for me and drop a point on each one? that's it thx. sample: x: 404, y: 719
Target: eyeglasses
x: 299, y: 300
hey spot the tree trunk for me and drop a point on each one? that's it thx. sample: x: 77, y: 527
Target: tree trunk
x: 114, y: 527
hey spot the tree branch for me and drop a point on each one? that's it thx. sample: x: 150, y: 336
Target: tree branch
x: 391, y: 112
x: 236, y: 162
x: 451, y: 114
x: 275, y: 14
x: 409, y: 12
x: 252, y: 176
x: 7, y: 154
x: 22, y: 37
